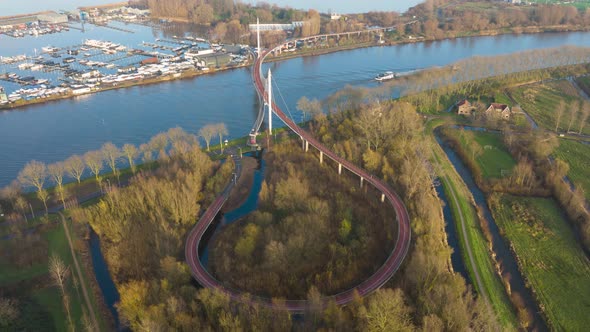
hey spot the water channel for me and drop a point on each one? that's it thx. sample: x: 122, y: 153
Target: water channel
x: 499, y: 246
x: 247, y: 207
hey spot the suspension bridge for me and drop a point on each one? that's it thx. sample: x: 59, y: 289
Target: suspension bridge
x: 400, y: 223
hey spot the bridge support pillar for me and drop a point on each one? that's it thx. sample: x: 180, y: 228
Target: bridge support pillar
x: 382, y: 198
x: 339, y: 169
x: 321, y: 157
x: 362, y: 181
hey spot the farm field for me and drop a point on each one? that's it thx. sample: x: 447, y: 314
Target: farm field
x: 577, y: 155
x: 551, y: 259
x: 541, y: 100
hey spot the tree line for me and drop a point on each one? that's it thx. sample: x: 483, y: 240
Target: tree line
x: 38, y: 176
x: 447, y: 19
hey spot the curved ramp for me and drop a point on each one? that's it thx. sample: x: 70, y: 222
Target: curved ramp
x: 375, y: 281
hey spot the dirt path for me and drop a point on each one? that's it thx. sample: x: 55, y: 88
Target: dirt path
x: 79, y: 272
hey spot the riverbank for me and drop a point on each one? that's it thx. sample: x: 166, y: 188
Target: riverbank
x: 239, y: 194
x: 146, y: 81
x: 291, y: 55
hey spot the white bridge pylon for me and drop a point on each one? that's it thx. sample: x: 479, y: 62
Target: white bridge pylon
x: 269, y: 102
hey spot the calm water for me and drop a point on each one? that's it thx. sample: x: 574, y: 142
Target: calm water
x: 54, y: 131
x: 500, y: 247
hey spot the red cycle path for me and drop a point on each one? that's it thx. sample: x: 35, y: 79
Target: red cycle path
x: 378, y: 279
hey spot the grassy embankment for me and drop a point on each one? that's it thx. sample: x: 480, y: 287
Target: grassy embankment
x: 40, y: 301
x: 577, y: 155
x: 488, y: 283
x: 541, y: 100
x: 549, y: 256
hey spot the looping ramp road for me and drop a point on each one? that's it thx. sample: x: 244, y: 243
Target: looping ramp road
x: 378, y: 279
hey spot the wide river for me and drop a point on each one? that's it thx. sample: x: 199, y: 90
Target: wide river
x: 56, y: 130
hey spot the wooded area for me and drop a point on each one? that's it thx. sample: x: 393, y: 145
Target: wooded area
x: 328, y: 234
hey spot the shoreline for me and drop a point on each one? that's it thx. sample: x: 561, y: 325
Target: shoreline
x: 304, y: 53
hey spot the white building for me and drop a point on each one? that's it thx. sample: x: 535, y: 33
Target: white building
x: 276, y: 27
x: 53, y: 18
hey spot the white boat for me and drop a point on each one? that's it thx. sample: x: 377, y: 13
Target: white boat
x: 388, y: 75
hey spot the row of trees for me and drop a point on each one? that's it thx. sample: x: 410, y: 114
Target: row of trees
x: 579, y: 111
x: 444, y: 19
x: 37, y: 175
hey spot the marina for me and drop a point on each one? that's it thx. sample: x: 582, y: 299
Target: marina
x: 98, y: 64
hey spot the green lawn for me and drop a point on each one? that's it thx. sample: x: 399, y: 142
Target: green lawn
x: 551, y: 259
x: 577, y: 155
x: 491, y: 285
x: 540, y: 101
x: 494, y: 161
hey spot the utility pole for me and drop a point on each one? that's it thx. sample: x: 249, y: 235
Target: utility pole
x: 269, y: 79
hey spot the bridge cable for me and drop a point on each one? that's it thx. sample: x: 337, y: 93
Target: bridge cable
x: 284, y: 102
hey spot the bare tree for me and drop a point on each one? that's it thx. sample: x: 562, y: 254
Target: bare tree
x: 303, y: 105
x: 21, y: 205
x: 94, y: 161
x: 158, y: 144
x: 584, y: 117
x: 59, y: 274
x: 559, y: 113
x: 34, y: 174
x: 309, y: 107
x: 111, y: 154
x: 75, y: 167
x: 207, y: 133
x: 131, y: 152
x: 43, y: 196
x: 221, y: 131
x: 146, y: 150
x: 8, y: 312
x: 56, y: 172
x: 11, y: 192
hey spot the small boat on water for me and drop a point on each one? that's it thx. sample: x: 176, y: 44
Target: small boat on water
x: 388, y: 75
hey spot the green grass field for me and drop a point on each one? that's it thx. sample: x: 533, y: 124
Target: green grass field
x: 540, y: 101
x: 577, y: 155
x: 494, y: 161
x: 45, y: 300
x: 491, y: 285
x: 551, y: 259
x: 581, y: 4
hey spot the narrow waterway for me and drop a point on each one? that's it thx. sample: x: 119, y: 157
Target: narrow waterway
x: 499, y: 246
x: 250, y: 205
x: 452, y: 235
x: 103, y: 277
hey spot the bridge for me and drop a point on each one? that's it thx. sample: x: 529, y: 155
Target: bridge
x: 401, y: 222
